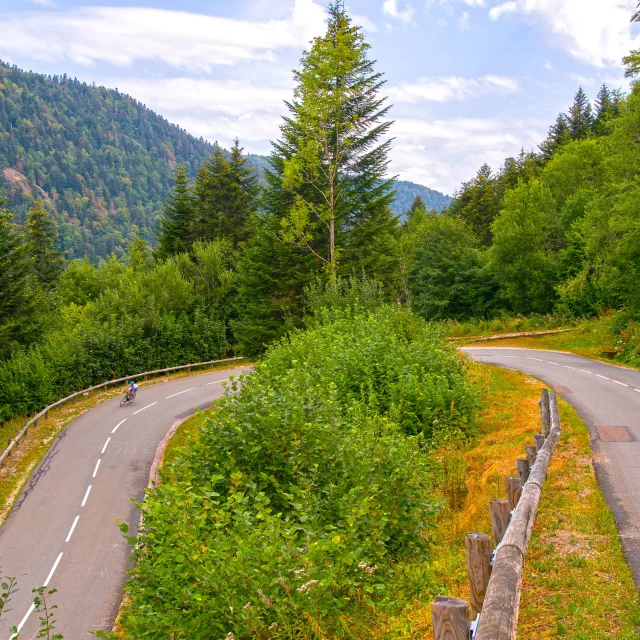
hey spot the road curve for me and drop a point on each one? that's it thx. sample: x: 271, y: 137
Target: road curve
x: 607, y: 398
x: 62, y: 531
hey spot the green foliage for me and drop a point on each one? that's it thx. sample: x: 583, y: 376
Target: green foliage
x: 177, y: 227
x: 326, y: 185
x: 523, y: 258
x: 123, y: 318
x: 446, y: 275
x: 580, y: 118
x: 303, y: 492
x: 43, y: 245
x: 100, y: 159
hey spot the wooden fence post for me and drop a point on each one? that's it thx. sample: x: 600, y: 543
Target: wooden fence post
x: 514, y: 491
x: 530, y: 452
x: 539, y: 440
x: 500, y: 514
x: 523, y: 470
x: 478, y: 568
x: 546, y: 413
x: 450, y: 619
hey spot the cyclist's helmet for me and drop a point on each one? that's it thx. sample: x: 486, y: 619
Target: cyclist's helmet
x: 131, y: 383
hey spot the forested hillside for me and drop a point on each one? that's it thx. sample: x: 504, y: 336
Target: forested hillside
x: 101, y: 161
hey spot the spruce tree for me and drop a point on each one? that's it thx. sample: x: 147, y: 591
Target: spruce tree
x: 43, y: 244
x: 580, y: 117
x: 327, y: 183
x: 557, y: 137
x: 226, y: 193
x: 177, y: 231
x: 632, y: 61
x: 17, y: 300
x: 417, y: 205
x: 607, y: 108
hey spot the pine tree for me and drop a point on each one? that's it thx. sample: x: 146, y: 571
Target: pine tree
x: 557, y: 137
x: 43, y: 244
x: 607, y: 108
x: 226, y: 192
x: 17, y: 302
x: 580, y: 117
x: 177, y: 231
x: 326, y: 181
x: 417, y: 205
x: 478, y: 203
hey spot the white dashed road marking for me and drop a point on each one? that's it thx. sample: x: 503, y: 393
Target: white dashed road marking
x: 73, y: 526
x: 176, y: 394
x: 217, y: 381
x: 96, y: 469
x: 116, y: 427
x: 584, y: 371
x: 86, y: 495
x: 143, y: 408
x: 105, y: 446
x: 603, y: 377
x: 622, y: 383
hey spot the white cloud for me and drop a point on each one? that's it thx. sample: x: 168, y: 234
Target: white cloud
x: 548, y: 66
x: 583, y: 81
x: 122, y: 36
x: 44, y: 3
x: 475, y: 3
x: 390, y: 7
x: 505, y: 7
x: 442, y: 153
x: 451, y: 88
x: 364, y: 22
x: 597, y: 32
x: 179, y: 95
x: 463, y: 22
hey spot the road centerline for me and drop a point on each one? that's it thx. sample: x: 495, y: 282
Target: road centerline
x: 105, y: 446
x: 73, y: 526
x: 143, y: 408
x: 217, y: 381
x: 176, y: 394
x: 96, y: 469
x: 86, y: 495
x: 119, y: 423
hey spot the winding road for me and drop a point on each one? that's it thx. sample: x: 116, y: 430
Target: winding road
x: 62, y: 531
x: 607, y: 398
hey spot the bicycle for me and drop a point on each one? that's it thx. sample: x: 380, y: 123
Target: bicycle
x: 129, y: 396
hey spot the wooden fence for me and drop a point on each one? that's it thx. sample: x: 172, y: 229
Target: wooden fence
x: 495, y: 578
x: 88, y: 391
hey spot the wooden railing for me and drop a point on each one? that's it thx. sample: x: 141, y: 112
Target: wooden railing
x: 495, y: 579
x: 88, y: 391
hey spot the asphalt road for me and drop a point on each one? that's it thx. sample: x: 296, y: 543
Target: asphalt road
x: 607, y: 398
x: 62, y: 531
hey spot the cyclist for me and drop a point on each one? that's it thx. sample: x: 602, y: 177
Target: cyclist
x: 133, y: 389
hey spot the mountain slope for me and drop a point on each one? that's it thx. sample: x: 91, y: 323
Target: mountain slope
x: 101, y: 160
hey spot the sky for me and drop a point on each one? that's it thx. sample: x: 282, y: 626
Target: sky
x: 470, y: 81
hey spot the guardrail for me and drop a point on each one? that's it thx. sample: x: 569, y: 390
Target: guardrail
x: 88, y: 391
x: 495, y: 579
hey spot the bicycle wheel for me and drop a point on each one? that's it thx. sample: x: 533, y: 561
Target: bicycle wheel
x: 125, y: 400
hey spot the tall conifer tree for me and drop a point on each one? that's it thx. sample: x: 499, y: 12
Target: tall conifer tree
x: 557, y: 137
x: 327, y: 182
x: 607, y: 108
x: 177, y: 228
x: 226, y: 192
x: 580, y: 117
x: 17, y: 302
x: 43, y: 244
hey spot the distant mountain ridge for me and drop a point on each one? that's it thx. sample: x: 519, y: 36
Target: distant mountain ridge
x: 102, y: 161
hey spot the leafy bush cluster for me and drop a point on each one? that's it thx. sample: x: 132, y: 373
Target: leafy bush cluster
x: 123, y: 317
x: 303, y: 492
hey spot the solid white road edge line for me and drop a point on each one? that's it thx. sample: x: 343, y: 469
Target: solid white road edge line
x: 143, y: 408
x: 217, y: 381
x: 86, y: 495
x: 73, y: 526
x: 105, y: 446
x: 176, y: 394
x: 96, y: 469
x: 55, y: 566
x: 119, y: 423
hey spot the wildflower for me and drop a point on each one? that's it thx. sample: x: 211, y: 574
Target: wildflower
x: 273, y: 625
x: 306, y: 586
x: 230, y: 636
x: 297, y: 572
x: 268, y: 602
x: 247, y: 606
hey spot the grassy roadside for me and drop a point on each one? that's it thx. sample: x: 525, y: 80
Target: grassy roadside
x: 576, y: 581
x: 27, y: 454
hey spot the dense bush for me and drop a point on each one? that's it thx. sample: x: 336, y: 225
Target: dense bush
x: 304, y: 491
x: 123, y: 318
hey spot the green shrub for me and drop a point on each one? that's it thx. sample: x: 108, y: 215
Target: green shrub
x: 304, y: 491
